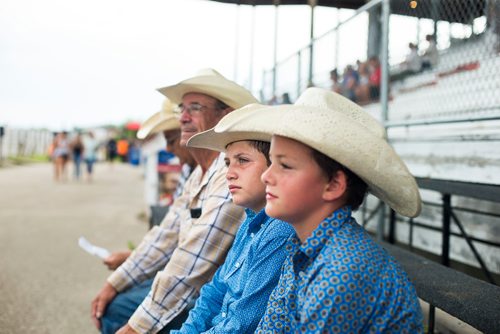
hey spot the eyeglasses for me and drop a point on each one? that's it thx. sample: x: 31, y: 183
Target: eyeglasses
x: 192, y: 109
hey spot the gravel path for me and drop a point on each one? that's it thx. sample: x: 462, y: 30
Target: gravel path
x: 46, y: 280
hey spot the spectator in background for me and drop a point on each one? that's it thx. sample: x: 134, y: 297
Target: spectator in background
x: 122, y: 147
x: 61, y: 156
x: 285, y: 99
x: 76, y: 154
x: 375, y: 78
x: 412, y: 62
x: 90, y: 146
x: 111, y: 150
x: 350, y: 80
x: 362, y: 91
x: 334, y: 77
x: 430, y: 57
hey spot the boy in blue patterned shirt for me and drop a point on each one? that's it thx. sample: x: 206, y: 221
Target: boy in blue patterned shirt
x: 235, y: 299
x: 326, y: 153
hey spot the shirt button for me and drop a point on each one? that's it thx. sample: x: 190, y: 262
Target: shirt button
x: 252, y: 235
x: 237, y: 264
x: 223, y: 314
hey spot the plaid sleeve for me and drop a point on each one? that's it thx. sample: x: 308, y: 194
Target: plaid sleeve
x: 155, y: 249
x: 194, y: 261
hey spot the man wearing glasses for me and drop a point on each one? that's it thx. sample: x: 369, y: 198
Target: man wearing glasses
x: 194, y: 237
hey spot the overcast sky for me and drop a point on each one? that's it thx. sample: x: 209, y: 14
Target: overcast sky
x: 83, y: 63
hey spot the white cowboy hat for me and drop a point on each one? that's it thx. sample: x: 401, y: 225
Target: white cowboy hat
x: 163, y: 120
x: 336, y: 127
x: 212, y: 83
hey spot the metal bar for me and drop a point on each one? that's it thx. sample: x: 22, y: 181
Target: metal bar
x: 438, y: 229
x: 252, y: 51
x: 446, y: 120
x: 473, y: 249
x: 445, y: 247
x: 484, y: 213
x: 384, y: 91
x: 236, y: 44
x: 410, y: 241
x: 311, y: 49
x: 432, y: 319
x: 373, y: 213
x: 473, y: 190
x: 299, y: 73
x: 392, y: 227
x: 275, y: 53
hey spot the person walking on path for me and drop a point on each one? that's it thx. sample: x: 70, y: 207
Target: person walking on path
x: 90, y: 146
x: 77, y: 155
x: 61, y: 156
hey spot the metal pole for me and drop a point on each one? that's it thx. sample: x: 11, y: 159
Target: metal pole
x: 275, y: 54
x: 236, y: 43
x: 337, y: 41
x: 392, y: 227
x: 312, y: 3
x: 445, y: 247
x: 252, y: 46
x: 299, y: 72
x: 384, y: 92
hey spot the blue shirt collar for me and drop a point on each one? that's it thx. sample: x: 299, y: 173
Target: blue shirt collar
x: 256, y: 220
x: 326, y: 229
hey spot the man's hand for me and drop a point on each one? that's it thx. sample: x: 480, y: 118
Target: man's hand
x: 100, y: 302
x: 126, y: 330
x: 116, y: 259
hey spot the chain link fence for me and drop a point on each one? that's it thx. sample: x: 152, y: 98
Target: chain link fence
x: 443, y: 101
x: 443, y: 108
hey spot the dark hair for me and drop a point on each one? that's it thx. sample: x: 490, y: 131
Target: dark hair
x: 356, y: 188
x: 219, y: 105
x: 261, y: 146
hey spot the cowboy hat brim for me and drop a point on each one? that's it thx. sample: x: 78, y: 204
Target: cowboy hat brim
x: 339, y: 135
x: 211, y: 83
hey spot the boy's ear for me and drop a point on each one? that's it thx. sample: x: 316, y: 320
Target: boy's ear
x: 336, y: 187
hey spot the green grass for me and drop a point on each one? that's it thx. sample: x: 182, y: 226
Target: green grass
x: 18, y: 160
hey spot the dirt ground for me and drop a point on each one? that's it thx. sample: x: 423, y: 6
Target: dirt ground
x: 46, y: 280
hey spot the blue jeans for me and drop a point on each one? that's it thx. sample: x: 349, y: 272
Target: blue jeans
x: 77, y: 160
x: 124, y: 305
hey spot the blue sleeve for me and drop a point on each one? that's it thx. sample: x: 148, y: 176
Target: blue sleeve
x: 207, y: 305
x: 265, y: 261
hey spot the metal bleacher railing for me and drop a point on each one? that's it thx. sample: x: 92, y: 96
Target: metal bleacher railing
x: 444, y: 122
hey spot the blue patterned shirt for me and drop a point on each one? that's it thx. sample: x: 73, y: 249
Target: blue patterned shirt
x: 235, y: 299
x: 341, y: 281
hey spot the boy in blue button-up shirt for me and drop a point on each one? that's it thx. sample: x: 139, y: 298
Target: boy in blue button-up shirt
x: 235, y: 299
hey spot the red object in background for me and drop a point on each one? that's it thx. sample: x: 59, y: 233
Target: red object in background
x: 133, y: 126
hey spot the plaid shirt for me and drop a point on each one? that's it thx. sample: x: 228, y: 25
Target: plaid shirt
x: 189, y: 250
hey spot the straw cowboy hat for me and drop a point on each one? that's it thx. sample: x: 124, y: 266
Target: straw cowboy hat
x: 334, y: 126
x: 212, y: 83
x: 163, y: 120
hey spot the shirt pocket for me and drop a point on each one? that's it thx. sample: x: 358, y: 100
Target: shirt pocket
x: 235, y: 267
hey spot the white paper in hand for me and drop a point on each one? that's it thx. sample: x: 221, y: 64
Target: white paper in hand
x: 92, y: 249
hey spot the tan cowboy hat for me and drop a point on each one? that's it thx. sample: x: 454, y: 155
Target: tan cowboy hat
x: 334, y: 126
x: 212, y: 83
x: 163, y: 120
